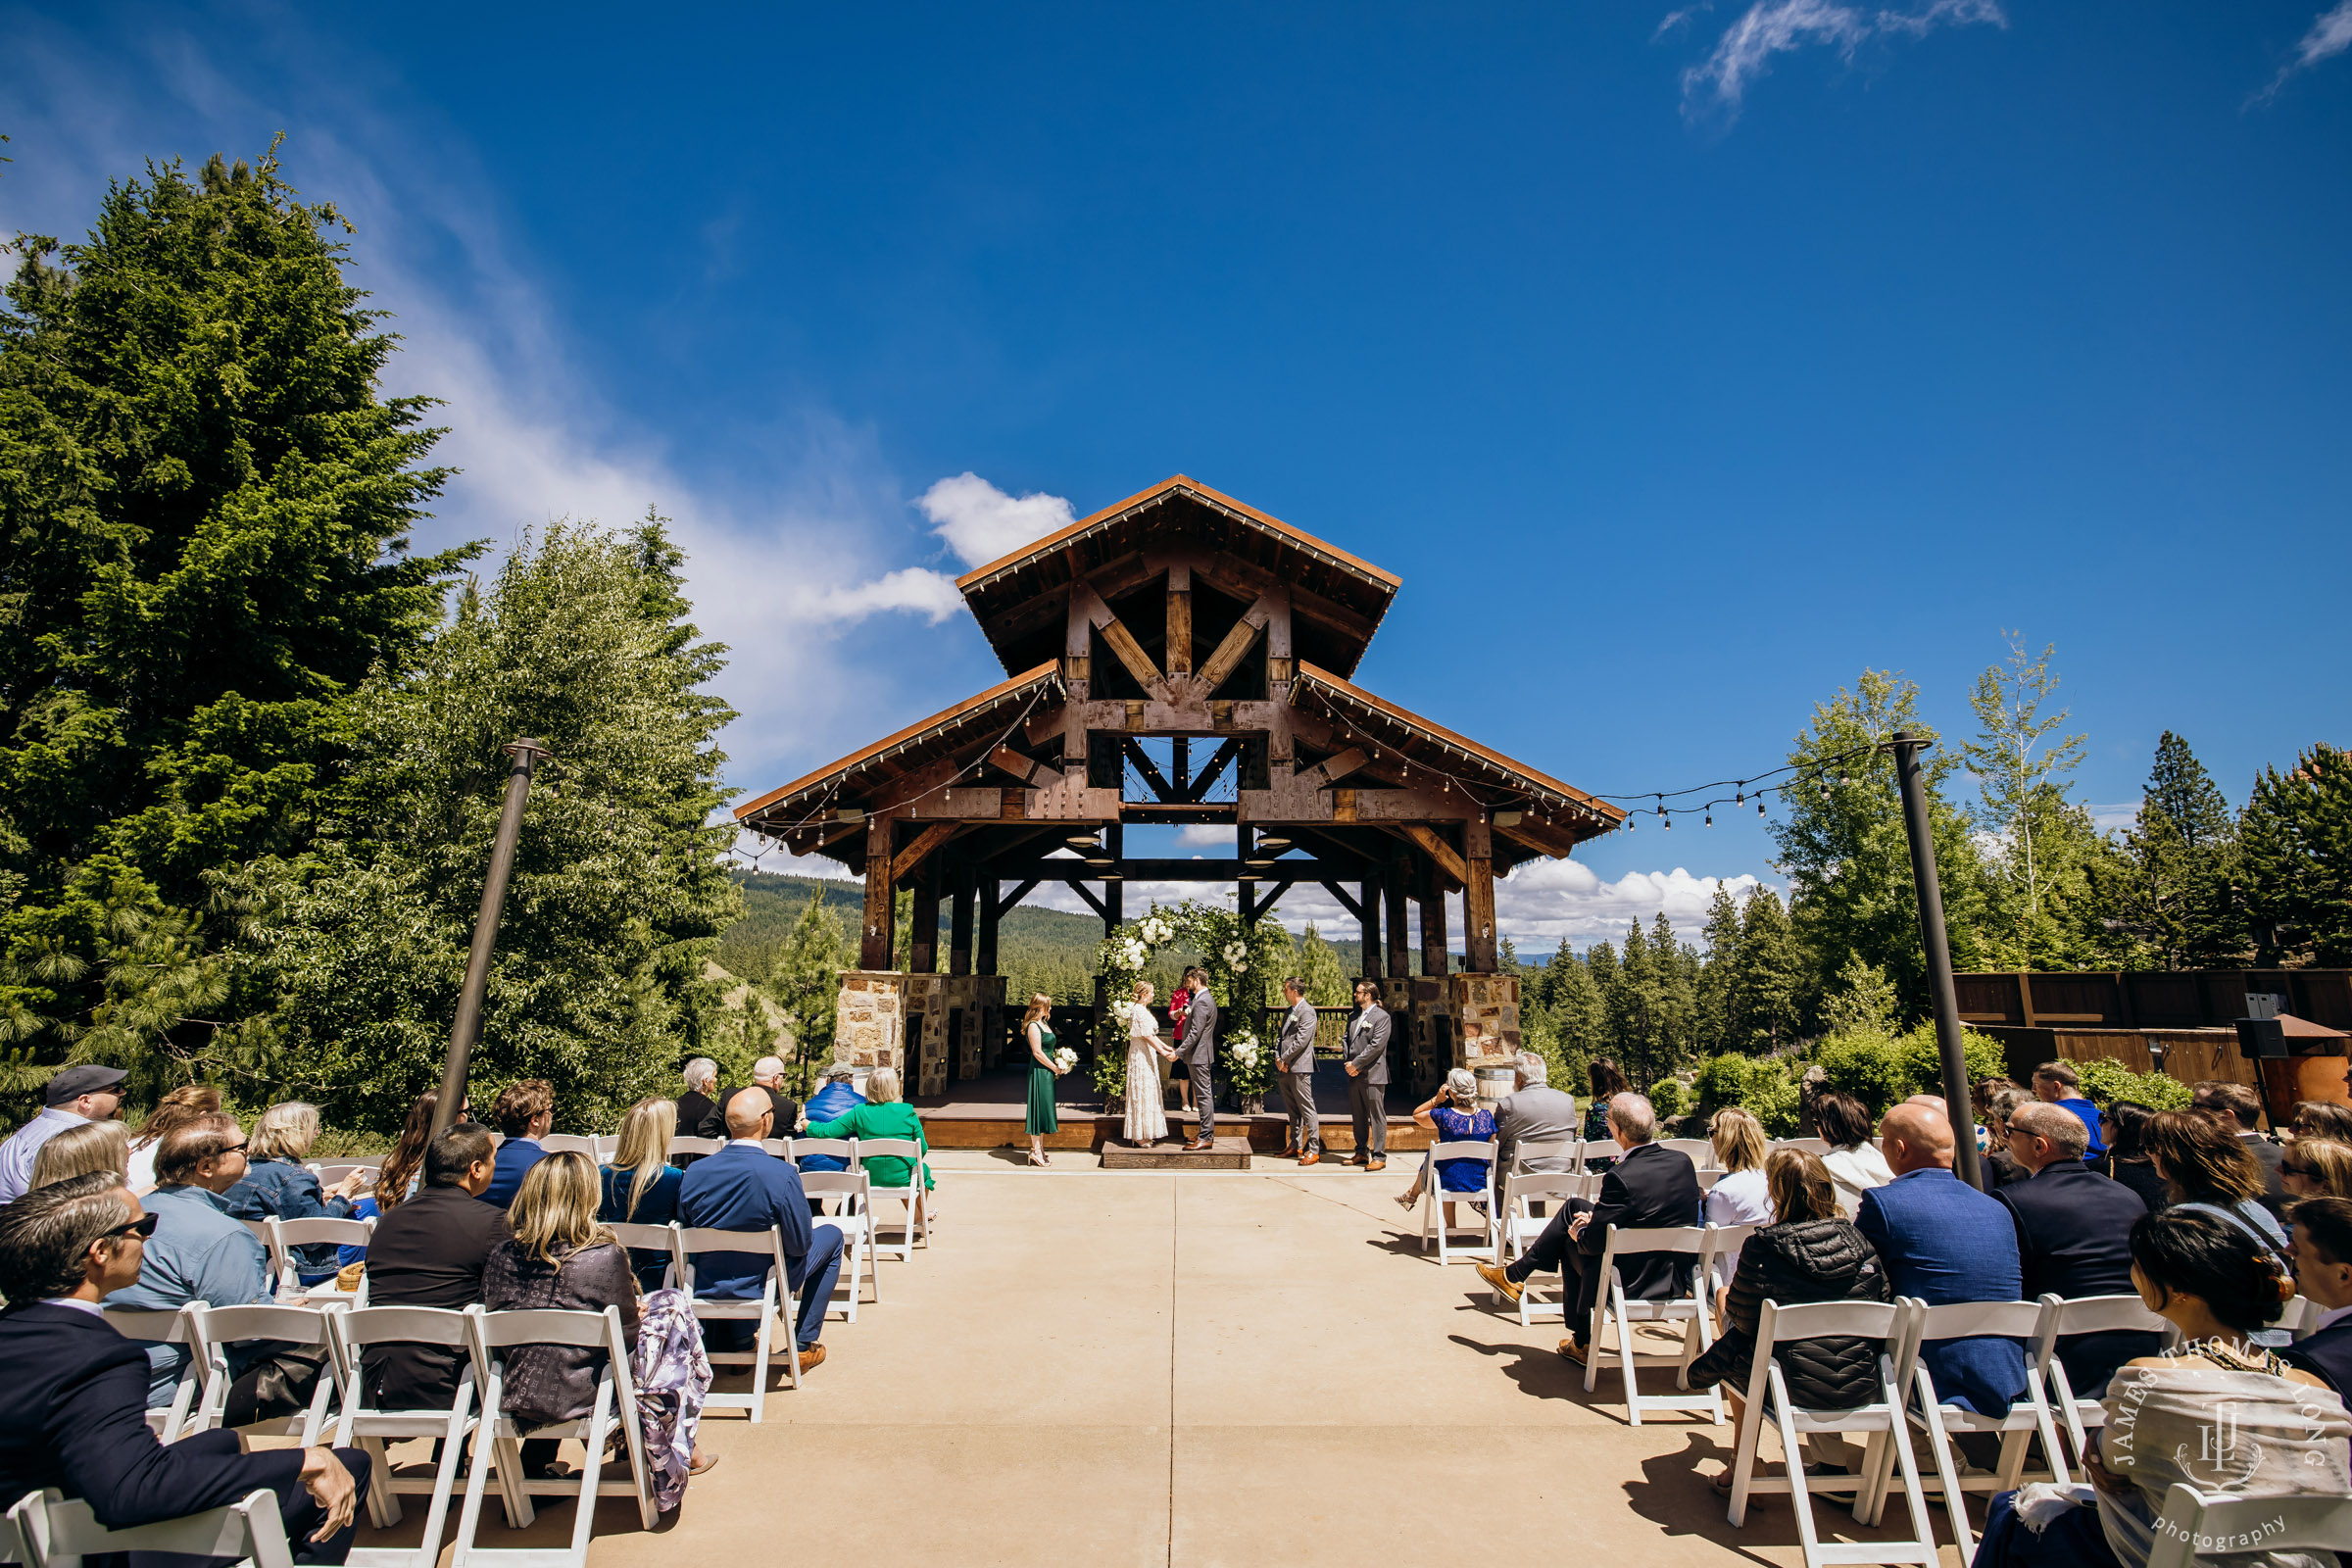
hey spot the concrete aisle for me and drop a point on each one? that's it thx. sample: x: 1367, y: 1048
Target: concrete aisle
x: 1186, y: 1370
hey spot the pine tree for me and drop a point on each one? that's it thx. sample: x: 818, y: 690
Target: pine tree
x: 2183, y: 857
x: 807, y: 980
x: 1319, y: 967
x: 1772, y: 974
x: 2296, y: 837
x: 1717, y: 1000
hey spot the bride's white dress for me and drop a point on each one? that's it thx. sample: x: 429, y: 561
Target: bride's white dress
x: 1147, y: 1116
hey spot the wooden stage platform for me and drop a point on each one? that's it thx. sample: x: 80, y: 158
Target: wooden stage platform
x: 991, y: 1112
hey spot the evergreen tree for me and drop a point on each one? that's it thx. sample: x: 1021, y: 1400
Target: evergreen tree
x: 1772, y: 978
x: 1320, y: 967
x: 2296, y: 838
x: 617, y: 897
x: 205, y: 515
x: 1578, y: 1007
x: 1843, y: 846
x: 1717, y: 1002
x: 807, y: 981
x: 1676, y: 967
x: 2182, y: 854
x: 2036, y: 879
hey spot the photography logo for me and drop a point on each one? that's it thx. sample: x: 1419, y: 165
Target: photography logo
x: 2225, y: 1456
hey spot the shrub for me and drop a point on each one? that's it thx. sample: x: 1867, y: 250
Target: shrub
x: 2106, y: 1081
x: 1669, y: 1097
x: 1767, y: 1086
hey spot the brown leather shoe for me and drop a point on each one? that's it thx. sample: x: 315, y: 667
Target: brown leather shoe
x: 1503, y: 1282
x: 1376, y: 1164
x: 1570, y: 1350
x: 1311, y: 1157
x: 1352, y: 1160
x: 1201, y: 1146
x: 1288, y: 1153
x: 813, y: 1357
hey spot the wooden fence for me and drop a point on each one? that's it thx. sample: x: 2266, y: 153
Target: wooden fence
x: 2148, y: 1000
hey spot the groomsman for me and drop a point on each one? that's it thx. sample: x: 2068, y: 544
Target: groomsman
x: 1198, y: 1051
x: 1294, y: 1055
x: 1369, y: 1078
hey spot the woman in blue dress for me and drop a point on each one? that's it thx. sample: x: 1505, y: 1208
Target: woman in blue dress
x: 1452, y: 1114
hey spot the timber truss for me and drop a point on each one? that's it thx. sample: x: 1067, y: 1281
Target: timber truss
x: 1178, y: 659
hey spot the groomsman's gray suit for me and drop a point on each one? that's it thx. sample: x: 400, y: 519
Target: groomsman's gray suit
x: 1367, y: 1090
x: 1198, y: 1051
x: 1295, y: 1054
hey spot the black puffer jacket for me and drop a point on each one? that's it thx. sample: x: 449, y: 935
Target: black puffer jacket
x: 1802, y: 1261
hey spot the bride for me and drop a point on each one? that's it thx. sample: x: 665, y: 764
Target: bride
x: 1147, y: 1113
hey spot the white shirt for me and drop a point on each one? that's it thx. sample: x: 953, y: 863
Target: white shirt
x: 1740, y: 1199
x: 76, y: 1302
x: 1856, y: 1171
x: 2330, y: 1319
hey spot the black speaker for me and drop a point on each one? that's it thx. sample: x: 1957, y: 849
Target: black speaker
x: 2261, y: 1037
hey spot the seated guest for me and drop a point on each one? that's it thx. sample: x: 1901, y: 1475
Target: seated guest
x: 2002, y: 1170
x: 561, y: 1258
x: 641, y: 1185
x: 1533, y: 1113
x: 1942, y: 1241
x: 277, y: 1183
x: 2238, y: 1110
x: 2206, y: 1166
x: 1854, y: 1161
x: 1808, y: 1253
x: 744, y: 1188
x: 784, y: 1111
x: 2056, y: 1083
x: 2322, y: 1259
x: 1454, y: 1116
x: 883, y: 1114
x: 2314, y: 1167
x: 94, y: 1145
x: 523, y: 1113
x: 701, y: 1081
x: 2322, y: 1118
x: 77, y: 1390
x: 1740, y: 1196
x: 176, y: 1109
x: 837, y: 1097
x: 2074, y: 1229
x: 198, y: 1252
x: 1606, y: 1083
x: 429, y: 1250
x: 2124, y: 1126
x: 2286, y: 1431
x: 1647, y: 1187
x: 87, y: 1093
x: 398, y: 1178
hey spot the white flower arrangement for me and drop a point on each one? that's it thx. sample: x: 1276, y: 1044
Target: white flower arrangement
x: 1236, y: 954
x: 1065, y: 1058
x: 1156, y: 930
x: 1132, y: 954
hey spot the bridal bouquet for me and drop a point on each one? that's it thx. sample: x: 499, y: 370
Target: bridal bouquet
x: 1065, y: 1058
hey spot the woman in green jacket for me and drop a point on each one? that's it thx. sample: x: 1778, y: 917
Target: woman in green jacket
x: 883, y: 1115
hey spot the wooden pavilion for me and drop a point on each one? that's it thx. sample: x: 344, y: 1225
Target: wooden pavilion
x: 1177, y: 659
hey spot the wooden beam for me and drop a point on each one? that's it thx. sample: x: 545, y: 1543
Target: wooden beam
x: 904, y: 863
x: 1393, y: 889
x: 1133, y: 750
x: 961, y: 898
x: 1028, y: 770
x: 878, y: 932
x: 922, y: 935
x: 1070, y: 870
x: 1369, y: 916
x: 1092, y: 901
x: 1005, y: 905
x: 1331, y: 769
x: 1237, y: 644
x: 1180, y: 620
x: 1346, y: 901
x: 984, y: 957
x: 1479, y: 949
x: 1130, y: 652
x: 1434, y: 958
x: 1274, y: 896
x: 1218, y: 761
x: 1439, y: 850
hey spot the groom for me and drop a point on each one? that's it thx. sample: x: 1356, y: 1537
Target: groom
x: 1197, y: 1052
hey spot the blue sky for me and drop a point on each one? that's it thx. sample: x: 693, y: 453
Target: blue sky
x: 1684, y: 361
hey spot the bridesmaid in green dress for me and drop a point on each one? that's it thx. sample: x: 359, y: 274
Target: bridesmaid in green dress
x: 1041, y: 1073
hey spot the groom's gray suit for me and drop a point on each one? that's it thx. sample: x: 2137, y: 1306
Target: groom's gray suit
x: 1198, y: 1051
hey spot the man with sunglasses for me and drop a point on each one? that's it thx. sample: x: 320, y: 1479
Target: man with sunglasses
x: 76, y: 1389
x: 199, y: 1251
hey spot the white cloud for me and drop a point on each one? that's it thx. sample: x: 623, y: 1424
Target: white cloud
x: 981, y: 523
x: 1205, y: 835
x: 1544, y: 901
x: 915, y: 588
x: 2330, y: 35
x: 1781, y: 26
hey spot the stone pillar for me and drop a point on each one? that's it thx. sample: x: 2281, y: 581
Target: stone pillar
x: 927, y: 1011
x: 869, y: 1019
x: 1492, y: 1001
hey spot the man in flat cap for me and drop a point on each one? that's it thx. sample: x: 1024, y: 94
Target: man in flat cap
x: 88, y: 1093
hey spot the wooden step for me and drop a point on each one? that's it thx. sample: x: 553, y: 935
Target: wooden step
x: 1230, y: 1153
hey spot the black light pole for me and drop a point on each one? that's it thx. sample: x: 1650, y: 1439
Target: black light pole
x: 468, y: 1026
x: 1906, y: 748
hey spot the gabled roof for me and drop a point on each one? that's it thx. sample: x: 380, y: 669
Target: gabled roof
x: 845, y: 782
x: 1338, y: 600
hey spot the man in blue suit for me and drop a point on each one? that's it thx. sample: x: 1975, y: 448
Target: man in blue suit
x: 2324, y: 1273
x: 1941, y: 1240
x: 745, y: 1188
x: 523, y: 1113
x: 77, y: 1390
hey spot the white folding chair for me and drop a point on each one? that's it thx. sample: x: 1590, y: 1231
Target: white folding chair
x: 569, y: 1144
x: 846, y: 1189
x: 1479, y: 1202
x: 1881, y: 1421
x: 776, y: 1298
x: 1689, y: 1308
x: 1966, y: 1320
x: 844, y: 1149
x: 615, y: 1409
x: 2299, y: 1317
x: 1519, y: 1225
x: 1560, y: 1155
x: 917, y: 1232
x: 1810, y: 1146
x: 333, y: 1171
x: 367, y: 1427
x: 285, y: 1235
x: 1700, y: 1151
x: 781, y: 1147
x: 174, y: 1327
x: 682, y: 1145
x: 2195, y: 1523
x: 641, y: 1237
x: 55, y: 1531
x: 2088, y: 1315
x: 214, y: 1329
x: 608, y: 1144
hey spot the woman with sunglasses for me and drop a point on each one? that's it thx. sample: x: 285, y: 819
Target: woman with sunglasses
x: 2311, y: 1167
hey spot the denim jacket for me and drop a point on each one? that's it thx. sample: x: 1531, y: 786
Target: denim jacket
x: 288, y: 1190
